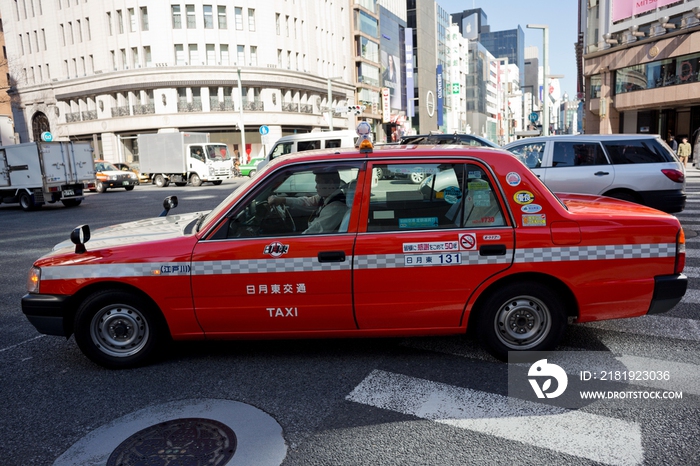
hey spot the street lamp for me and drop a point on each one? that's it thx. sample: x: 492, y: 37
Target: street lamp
x: 545, y: 57
x: 241, y: 126
x: 330, y: 101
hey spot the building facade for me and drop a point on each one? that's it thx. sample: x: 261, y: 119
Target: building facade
x: 107, y: 71
x: 640, y: 64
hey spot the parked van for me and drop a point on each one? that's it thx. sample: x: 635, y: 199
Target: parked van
x: 633, y: 167
x: 309, y: 141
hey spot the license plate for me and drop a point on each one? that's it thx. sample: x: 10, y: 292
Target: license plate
x: 125, y: 183
x: 68, y: 192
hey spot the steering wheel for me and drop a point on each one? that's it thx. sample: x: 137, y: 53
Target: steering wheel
x: 286, y: 217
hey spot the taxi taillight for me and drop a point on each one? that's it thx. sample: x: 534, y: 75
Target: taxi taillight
x: 680, y: 252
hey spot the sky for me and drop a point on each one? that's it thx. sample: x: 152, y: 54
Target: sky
x: 561, y: 16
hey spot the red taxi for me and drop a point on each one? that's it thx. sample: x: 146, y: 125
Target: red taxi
x: 479, y: 244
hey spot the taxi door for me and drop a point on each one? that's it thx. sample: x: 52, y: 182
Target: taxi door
x: 426, y: 247
x: 259, y: 273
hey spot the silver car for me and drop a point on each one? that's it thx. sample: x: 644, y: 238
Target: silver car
x: 633, y: 167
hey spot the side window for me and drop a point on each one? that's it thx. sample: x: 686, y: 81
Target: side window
x: 332, y: 143
x: 298, y: 201
x: 196, y: 152
x: 432, y: 196
x: 568, y: 154
x: 308, y: 145
x: 639, y: 151
x: 531, y: 154
x: 282, y: 149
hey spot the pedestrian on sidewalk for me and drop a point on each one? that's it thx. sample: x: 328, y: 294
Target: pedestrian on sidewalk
x: 684, y: 151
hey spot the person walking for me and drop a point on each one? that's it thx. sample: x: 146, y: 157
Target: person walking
x: 672, y: 143
x: 684, y: 151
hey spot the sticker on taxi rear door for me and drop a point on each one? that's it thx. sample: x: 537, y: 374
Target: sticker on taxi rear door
x: 430, y: 247
x: 523, y: 197
x: 513, y: 179
x: 535, y: 220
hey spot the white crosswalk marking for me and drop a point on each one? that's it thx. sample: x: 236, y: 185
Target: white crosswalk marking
x: 655, y: 326
x: 598, y: 438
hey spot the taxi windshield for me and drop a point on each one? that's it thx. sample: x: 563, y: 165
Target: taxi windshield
x: 223, y: 205
x: 105, y: 167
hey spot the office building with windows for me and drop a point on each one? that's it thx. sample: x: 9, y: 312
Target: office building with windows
x: 107, y: 71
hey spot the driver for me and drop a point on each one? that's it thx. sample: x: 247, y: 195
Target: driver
x: 328, y: 206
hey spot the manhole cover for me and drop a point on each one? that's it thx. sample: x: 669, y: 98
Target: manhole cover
x: 180, y: 442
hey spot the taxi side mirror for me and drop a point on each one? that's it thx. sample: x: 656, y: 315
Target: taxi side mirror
x: 169, y: 202
x: 79, y: 236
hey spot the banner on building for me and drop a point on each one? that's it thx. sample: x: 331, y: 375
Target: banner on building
x: 410, y: 109
x: 623, y: 9
x: 440, y: 95
x: 386, y: 105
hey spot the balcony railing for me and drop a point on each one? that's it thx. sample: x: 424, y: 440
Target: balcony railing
x: 306, y: 108
x: 290, y: 107
x: 254, y: 105
x: 217, y: 106
x: 72, y: 117
x: 188, y: 107
x: 120, y: 111
x: 144, y: 109
x: 89, y: 115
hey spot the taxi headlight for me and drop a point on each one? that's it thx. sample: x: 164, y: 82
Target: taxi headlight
x: 113, y: 177
x: 33, y: 280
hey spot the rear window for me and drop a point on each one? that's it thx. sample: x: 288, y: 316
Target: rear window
x: 638, y: 151
x: 333, y: 143
x: 308, y: 145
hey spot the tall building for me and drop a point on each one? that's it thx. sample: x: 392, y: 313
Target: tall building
x: 107, y: 71
x: 640, y: 65
x: 508, y: 44
x: 394, y: 96
x: 422, y: 19
x: 456, y: 86
x: 367, y: 75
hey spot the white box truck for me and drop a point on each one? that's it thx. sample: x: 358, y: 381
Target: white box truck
x: 183, y: 157
x: 33, y: 174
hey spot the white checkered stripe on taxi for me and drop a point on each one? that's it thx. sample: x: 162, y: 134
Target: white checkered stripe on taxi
x: 589, y: 253
x: 68, y: 272
x: 296, y: 264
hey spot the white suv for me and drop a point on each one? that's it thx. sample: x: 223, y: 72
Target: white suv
x: 633, y: 167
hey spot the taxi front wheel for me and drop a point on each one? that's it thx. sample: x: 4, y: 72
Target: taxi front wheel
x: 117, y: 329
x: 521, y: 317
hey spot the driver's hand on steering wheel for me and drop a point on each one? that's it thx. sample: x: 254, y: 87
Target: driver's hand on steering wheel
x: 276, y: 200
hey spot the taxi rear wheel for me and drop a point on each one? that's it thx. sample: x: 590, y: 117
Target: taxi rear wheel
x: 117, y: 329
x: 522, y: 317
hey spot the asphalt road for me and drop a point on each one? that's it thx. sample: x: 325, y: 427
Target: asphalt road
x: 400, y: 401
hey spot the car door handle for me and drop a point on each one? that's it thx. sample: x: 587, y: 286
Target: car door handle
x: 601, y: 173
x: 493, y: 250
x: 331, y: 256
